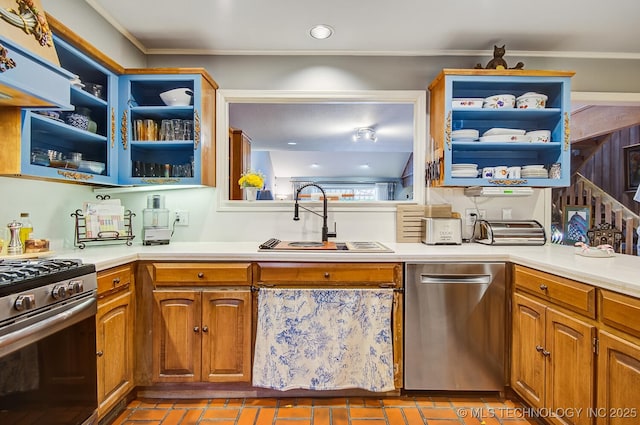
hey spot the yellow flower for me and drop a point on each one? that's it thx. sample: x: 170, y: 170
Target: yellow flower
x: 252, y: 179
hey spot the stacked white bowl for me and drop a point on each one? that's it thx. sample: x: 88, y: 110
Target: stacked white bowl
x: 464, y: 170
x: 536, y: 171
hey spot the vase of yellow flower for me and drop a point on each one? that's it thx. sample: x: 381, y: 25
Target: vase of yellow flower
x: 251, y: 181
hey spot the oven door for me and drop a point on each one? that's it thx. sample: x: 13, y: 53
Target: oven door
x: 48, y: 368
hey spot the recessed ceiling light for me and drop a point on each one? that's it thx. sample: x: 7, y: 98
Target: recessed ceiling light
x: 315, y: 165
x: 292, y: 143
x: 320, y: 32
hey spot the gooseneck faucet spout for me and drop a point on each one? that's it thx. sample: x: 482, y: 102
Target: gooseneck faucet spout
x: 325, y: 229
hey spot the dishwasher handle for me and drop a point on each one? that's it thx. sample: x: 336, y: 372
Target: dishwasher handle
x: 477, y: 279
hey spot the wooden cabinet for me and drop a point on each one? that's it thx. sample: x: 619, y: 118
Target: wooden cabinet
x: 239, y: 161
x: 46, y: 144
x: 553, y: 361
x: 30, y: 76
x: 618, y: 401
x: 618, y: 381
x: 183, y: 157
x: 202, y: 333
x: 343, y: 275
x: 114, y: 336
x: 471, y: 83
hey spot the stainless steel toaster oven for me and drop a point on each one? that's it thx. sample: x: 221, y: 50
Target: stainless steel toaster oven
x: 509, y: 232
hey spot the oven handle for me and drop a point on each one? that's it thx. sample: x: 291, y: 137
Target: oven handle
x: 52, y: 323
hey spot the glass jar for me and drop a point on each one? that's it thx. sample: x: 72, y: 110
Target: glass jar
x: 555, y: 171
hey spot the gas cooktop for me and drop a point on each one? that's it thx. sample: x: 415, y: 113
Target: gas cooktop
x: 23, y: 274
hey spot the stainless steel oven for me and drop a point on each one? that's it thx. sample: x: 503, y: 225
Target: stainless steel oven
x: 47, y: 342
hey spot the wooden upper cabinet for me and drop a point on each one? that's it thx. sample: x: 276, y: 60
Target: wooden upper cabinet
x: 447, y: 117
x: 239, y: 161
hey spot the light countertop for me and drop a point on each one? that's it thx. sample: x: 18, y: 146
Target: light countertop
x: 620, y: 273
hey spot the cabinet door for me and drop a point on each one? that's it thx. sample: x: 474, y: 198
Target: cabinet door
x: 528, y: 362
x: 176, y: 336
x: 114, y: 347
x: 618, y: 381
x: 570, y: 367
x: 239, y: 161
x: 226, y: 337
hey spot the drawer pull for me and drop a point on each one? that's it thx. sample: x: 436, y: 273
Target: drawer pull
x: 200, y: 275
x: 327, y: 275
x: 116, y: 281
x: 546, y: 353
x: 196, y: 329
x: 99, y: 353
x: 543, y: 287
x: 539, y: 348
x: 205, y: 329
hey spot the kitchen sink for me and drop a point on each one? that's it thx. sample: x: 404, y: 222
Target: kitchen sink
x: 367, y: 246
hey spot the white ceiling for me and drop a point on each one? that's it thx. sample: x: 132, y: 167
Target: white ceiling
x: 586, y: 28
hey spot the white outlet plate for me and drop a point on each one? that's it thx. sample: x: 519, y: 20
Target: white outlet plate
x: 469, y: 219
x: 182, y: 217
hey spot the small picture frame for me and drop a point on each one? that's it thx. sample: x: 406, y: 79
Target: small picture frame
x: 631, y: 167
x: 576, y: 223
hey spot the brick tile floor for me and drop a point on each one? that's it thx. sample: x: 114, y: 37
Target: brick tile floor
x: 406, y: 410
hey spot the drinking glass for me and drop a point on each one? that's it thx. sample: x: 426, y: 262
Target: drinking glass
x: 151, y: 129
x: 177, y: 129
x: 187, y: 129
x: 166, y: 130
x: 139, y: 130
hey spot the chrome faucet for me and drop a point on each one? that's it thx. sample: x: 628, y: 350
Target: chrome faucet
x: 325, y: 229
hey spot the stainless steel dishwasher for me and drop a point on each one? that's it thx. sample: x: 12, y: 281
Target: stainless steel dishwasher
x: 454, y: 328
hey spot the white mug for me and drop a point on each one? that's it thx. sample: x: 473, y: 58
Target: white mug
x: 487, y: 172
x: 513, y: 172
x: 501, y: 172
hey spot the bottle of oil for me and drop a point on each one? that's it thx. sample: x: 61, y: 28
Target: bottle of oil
x: 26, y: 231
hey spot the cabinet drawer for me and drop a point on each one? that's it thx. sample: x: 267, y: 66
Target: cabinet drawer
x: 336, y: 273
x: 188, y: 274
x: 620, y: 311
x: 114, y: 279
x: 573, y: 295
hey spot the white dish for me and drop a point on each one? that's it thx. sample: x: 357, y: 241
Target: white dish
x: 531, y: 100
x: 514, y: 138
x: 177, y: 97
x: 594, y: 252
x: 539, y: 136
x: 464, y: 166
x: 464, y: 139
x: 467, y: 103
x: 499, y: 101
x: 504, y: 131
x: 532, y: 166
x: 466, y: 133
x: 464, y: 173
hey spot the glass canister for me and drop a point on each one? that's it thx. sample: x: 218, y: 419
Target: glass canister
x: 555, y: 171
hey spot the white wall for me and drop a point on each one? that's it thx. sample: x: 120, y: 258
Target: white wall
x: 51, y: 203
x: 78, y: 16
